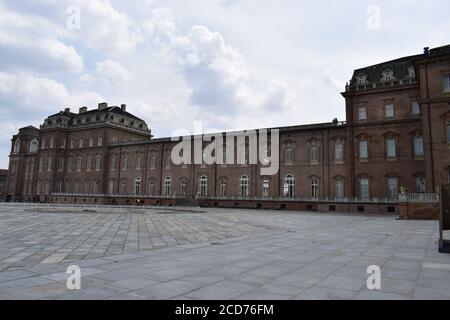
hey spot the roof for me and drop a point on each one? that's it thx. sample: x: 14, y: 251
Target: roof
x: 113, y: 109
x: 399, y: 66
x: 29, y: 128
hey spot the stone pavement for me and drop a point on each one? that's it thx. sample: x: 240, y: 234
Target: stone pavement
x: 217, y: 254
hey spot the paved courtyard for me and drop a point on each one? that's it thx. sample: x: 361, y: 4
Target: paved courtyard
x: 137, y: 253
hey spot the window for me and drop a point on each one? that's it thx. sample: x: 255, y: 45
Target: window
x: 448, y: 132
x: 446, y: 85
x: 167, y: 161
x: 138, y: 163
x: 91, y: 141
x: 97, y: 186
x: 392, y: 188
x: 152, y: 161
x: 61, y: 165
x: 111, y: 186
x: 167, y: 186
x: 52, y: 141
x: 415, y: 108
x: 362, y: 115
x: 123, y: 187
x: 100, y: 141
x: 338, y: 151
x: 289, y: 185
x: 223, y: 187
x: 97, y: 163
x: 72, y: 142
x: 361, y: 79
x: 184, y: 186
x: 78, y: 165
x: 389, y: 111
x: 137, y: 185
x: 314, y: 188
x: 364, y: 188
x: 34, y: 146
x: 151, y: 186
x: 289, y: 153
x: 77, y: 186
x: 69, y: 167
x: 203, y: 185
x: 388, y: 75
x: 243, y: 186
x: 314, y: 152
x: 43, y: 144
x: 81, y: 143
x: 59, y: 186
x: 89, y: 164
x: 390, y: 148
x: 49, y: 165
x: 363, y: 151
x: 420, y: 184
x: 125, y: 163
x: 16, y: 148
x: 113, y: 163
x: 63, y: 143
x: 266, y: 187
x: 339, y: 188
x: 418, y: 145
x: 412, y: 72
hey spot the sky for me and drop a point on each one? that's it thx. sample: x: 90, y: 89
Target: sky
x: 218, y: 64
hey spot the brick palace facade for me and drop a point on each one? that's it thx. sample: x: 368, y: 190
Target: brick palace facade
x: 394, y: 145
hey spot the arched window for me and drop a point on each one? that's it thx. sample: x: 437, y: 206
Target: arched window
x: 420, y: 184
x: 16, y: 148
x: 392, y: 188
x: 223, y: 187
x: 98, y: 161
x: 167, y: 187
x: 243, y: 186
x: 87, y: 186
x: 314, y: 187
x: 77, y: 186
x: 34, y: 145
x: 111, y: 186
x: 49, y: 164
x: 137, y: 185
x: 88, y: 164
x: 91, y: 141
x: 100, y: 141
x: 113, y: 163
x: 123, y: 187
x: 125, y: 163
x: 364, y: 187
x: 79, y: 164
x: 266, y: 187
x: 81, y: 143
x: 339, y: 188
x: 97, y: 186
x: 338, y: 151
x: 184, y: 186
x: 289, y: 185
x: 203, y: 185
x: 151, y: 186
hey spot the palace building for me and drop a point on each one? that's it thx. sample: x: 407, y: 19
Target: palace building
x: 393, y: 148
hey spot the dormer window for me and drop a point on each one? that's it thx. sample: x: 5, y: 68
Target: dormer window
x: 16, y: 146
x: 412, y: 72
x: 34, y: 146
x: 387, y: 75
x: 361, y: 79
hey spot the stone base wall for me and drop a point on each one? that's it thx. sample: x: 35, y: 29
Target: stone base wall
x: 419, y: 211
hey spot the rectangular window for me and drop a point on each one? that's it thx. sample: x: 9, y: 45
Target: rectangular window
x: 448, y: 132
x: 61, y: 165
x: 446, y: 85
x: 51, y: 142
x: 43, y: 144
x: 389, y: 111
x: 362, y: 116
x: 100, y: 141
x: 415, y: 108
x: 390, y: 148
x: 363, y: 152
x: 364, y: 188
x: 338, y: 152
x: 97, y: 163
x: 418, y: 146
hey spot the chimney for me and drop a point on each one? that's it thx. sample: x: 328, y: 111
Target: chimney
x: 426, y: 50
x: 123, y: 107
x: 67, y: 110
x: 83, y: 109
x: 102, y: 105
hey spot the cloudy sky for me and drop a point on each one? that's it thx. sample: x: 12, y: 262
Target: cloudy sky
x: 230, y: 64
